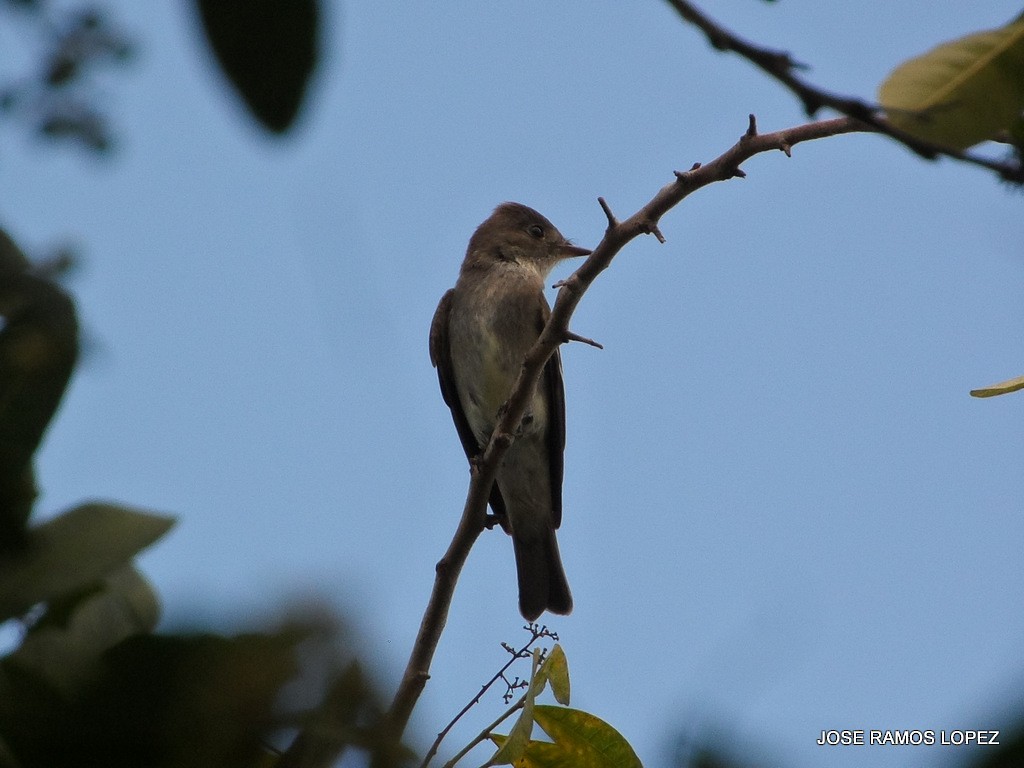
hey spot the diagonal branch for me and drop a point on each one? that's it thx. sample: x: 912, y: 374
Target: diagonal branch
x: 781, y: 66
x: 617, y: 235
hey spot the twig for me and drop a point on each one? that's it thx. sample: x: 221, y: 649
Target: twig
x: 486, y: 732
x: 781, y: 66
x: 570, y: 336
x: 515, y: 655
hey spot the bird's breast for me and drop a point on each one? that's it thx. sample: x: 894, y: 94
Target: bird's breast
x: 491, y: 329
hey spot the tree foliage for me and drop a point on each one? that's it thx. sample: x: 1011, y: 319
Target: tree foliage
x: 91, y: 681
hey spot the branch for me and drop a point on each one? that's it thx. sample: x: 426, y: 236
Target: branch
x: 313, y: 750
x: 781, y: 66
x: 481, y: 737
x: 644, y: 221
x: 536, y: 632
x: 556, y: 332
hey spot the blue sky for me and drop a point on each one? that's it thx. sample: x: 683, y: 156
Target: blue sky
x: 783, y: 512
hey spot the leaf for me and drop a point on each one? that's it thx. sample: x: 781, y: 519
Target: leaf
x: 65, y: 649
x: 12, y: 260
x: 556, y: 671
x: 962, y: 92
x: 580, y: 741
x: 268, y: 49
x: 1002, y: 388
x: 1017, y: 134
x: 170, y: 701
x: 38, y: 349
x: 73, y: 551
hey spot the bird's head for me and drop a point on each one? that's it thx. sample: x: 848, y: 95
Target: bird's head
x: 517, y: 233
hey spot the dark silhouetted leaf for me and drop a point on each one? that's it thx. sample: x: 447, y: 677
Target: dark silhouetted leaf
x: 268, y: 49
x: 169, y: 702
x: 38, y: 349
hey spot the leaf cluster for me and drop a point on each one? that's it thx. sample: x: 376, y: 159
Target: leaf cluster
x: 267, y: 50
x: 577, y: 738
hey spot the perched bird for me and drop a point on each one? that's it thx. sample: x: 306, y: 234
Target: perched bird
x: 480, y: 334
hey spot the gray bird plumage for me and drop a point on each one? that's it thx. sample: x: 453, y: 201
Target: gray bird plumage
x: 480, y: 334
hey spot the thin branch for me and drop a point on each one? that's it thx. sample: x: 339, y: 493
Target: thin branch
x: 446, y: 574
x: 781, y: 66
x: 483, y: 472
x: 514, y: 655
x: 486, y: 732
x: 311, y: 749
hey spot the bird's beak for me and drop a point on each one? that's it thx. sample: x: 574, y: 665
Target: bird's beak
x: 568, y: 251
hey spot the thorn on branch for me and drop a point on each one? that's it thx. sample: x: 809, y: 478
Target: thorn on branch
x: 651, y: 228
x: 751, y: 128
x: 739, y: 173
x: 612, y: 221
x: 785, y: 147
x: 570, y: 336
x: 684, y: 175
x: 792, y: 63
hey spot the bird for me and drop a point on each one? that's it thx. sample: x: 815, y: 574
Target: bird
x: 479, y: 336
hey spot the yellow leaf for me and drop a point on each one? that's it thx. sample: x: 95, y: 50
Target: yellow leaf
x: 963, y: 92
x: 556, y: 669
x: 580, y: 740
x: 1002, y: 388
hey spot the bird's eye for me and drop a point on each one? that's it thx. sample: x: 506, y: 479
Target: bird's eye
x: 535, y: 230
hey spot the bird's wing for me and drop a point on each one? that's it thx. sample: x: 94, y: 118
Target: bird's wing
x: 441, y: 358
x: 551, y: 383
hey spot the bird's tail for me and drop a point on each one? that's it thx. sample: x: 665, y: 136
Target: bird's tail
x: 542, y: 582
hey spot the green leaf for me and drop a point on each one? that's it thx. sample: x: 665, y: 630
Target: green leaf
x: 556, y: 671
x: 73, y: 551
x: 1002, y: 388
x: 65, y: 650
x: 962, y: 92
x: 580, y: 741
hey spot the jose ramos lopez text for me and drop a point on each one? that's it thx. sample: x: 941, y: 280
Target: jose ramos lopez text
x: 878, y: 737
